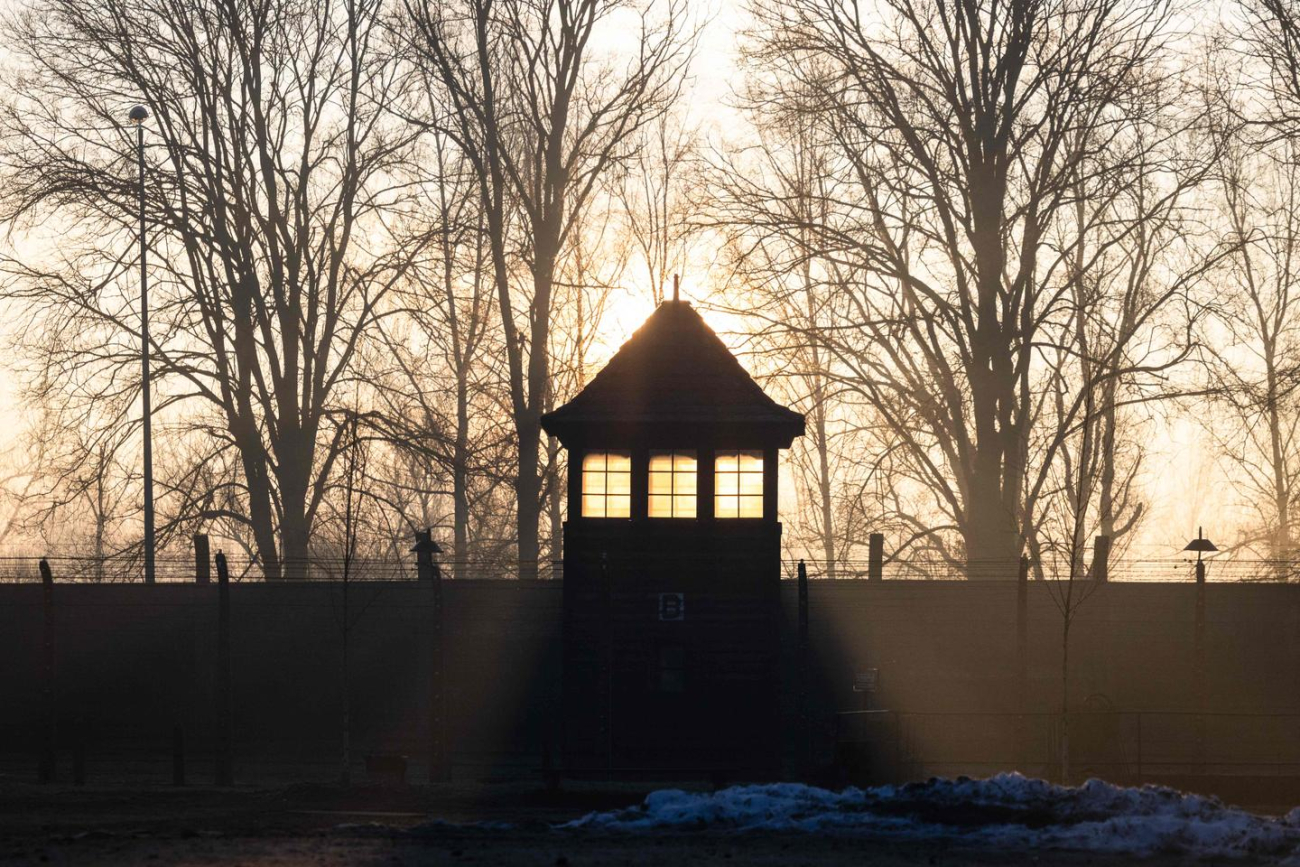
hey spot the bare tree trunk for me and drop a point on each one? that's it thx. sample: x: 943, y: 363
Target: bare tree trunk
x: 460, y: 477
x: 528, y: 493
x: 1281, y: 542
x: 537, y: 64
x: 554, y: 499
x: 820, y: 442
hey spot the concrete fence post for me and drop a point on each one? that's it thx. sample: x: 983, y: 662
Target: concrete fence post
x: 224, y: 735
x: 876, y: 557
x: 202, y: 560
x: 430, y: 580
x: 48, y: 712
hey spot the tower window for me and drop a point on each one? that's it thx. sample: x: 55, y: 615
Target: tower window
x: 607, y: 485
x: 672, y: 484
x: 738, y: 485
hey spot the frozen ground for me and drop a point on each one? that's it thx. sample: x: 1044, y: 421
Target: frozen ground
x: 1006, y: 812
x: 943, y: 823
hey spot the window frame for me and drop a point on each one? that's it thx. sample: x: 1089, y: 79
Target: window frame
x: 673, y: 473
x: 744, y: 494
x: 605, y: 494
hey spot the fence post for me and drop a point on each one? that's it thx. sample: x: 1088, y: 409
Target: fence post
x: 1022, y: 660
x: 1101, y: 558
x: 224, y: 770
x: 805, y: 726
x: 202, y: 561
x: 430, y: 578
x: 48, y: 712
x: 876, y: 557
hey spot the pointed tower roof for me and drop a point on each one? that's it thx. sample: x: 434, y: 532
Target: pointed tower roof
x: 675, y: 373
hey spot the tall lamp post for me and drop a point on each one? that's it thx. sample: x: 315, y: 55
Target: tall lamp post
x: 138, y: 116
x: 1201, y: 546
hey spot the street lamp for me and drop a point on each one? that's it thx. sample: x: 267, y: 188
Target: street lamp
x: 138, y: 116
x: 1200, y: 545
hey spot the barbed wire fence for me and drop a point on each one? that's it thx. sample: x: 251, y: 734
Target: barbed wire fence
x: 22, y: 566
x: 25, y: 568
x: 1179, y: 569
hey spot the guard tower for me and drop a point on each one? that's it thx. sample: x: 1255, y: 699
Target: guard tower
x: 672, y: 559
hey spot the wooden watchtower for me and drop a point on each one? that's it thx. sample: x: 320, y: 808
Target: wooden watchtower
x: 672, y: 559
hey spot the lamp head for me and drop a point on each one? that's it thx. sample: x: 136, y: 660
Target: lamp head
x: 1200, y: 543
x: 138, y: 114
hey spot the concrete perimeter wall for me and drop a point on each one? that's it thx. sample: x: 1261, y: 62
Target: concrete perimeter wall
x: 133, y: 662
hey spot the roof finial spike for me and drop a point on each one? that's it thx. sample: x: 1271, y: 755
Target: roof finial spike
x: 676, y: 298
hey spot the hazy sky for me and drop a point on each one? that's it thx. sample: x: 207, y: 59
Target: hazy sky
x: 1184, y: 486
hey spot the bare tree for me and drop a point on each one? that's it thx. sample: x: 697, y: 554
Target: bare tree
x: 444, y: 344
x: 1253, y: 359
x: 542, y: 117
x: 592, y: 268
x: 1254, y: 366
x: 273, y: 188
x: 1061, y: 545
x: 961, y: 134
x: 656, y: 193
x: 786, y: 291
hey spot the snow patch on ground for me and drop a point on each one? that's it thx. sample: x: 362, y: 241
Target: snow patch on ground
x: 1006, y: 811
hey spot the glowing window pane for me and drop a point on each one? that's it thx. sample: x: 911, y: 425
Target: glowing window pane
x: 672, y: 484
x: 606, y: 485
x: 738, y: 484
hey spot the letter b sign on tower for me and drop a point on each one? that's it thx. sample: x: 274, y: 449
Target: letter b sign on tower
x: 672, y: 607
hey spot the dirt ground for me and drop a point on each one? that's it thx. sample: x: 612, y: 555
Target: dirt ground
x: 315, y: 825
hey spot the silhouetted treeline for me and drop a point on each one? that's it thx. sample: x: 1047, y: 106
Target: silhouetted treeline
x: 991, y: 250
